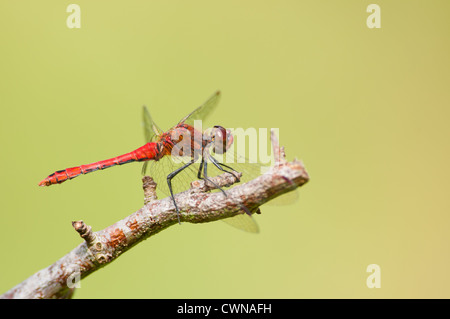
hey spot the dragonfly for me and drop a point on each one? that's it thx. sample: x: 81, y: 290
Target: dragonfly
x: 182, y: 153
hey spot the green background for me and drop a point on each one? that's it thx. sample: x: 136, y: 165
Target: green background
x: 367, y: 110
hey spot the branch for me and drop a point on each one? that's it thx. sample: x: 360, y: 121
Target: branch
x: 196, y: 206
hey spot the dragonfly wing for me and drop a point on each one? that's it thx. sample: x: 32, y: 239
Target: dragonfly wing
x: 203, y: 111
x: 159, y: 170
x: 151, y: 130
x: 285, y: 199
x: 242, y: 222
x: 145, y: 168
x: 251, y: 169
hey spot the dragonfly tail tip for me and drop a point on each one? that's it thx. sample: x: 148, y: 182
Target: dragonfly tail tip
x: 43, y: 183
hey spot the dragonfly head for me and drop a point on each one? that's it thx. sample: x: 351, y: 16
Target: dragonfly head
x: 222, y: 139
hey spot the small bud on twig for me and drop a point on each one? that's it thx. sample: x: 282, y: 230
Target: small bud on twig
x: 149, y: 186
x: 85, y: 231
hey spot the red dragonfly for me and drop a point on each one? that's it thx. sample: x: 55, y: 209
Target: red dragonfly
x: 171, y: 154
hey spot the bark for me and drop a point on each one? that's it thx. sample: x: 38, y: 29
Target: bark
x: 197, y: 205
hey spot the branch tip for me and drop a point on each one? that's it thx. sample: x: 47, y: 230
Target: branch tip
x: 278, y: 152
x: 85, y: 231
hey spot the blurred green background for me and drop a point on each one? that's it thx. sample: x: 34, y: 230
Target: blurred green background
x: 367, y: 110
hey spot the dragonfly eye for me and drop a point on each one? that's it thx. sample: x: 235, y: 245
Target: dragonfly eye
x: 222, y: 139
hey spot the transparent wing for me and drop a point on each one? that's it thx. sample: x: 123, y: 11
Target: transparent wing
x: 203, y: 111
x: 159, y: 170
x: 243, y: 222
x: 285, y: 199
x: 151, y: 130
x: 250, y: 170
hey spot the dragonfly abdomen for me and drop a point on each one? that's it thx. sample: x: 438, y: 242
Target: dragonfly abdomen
x: 147, y: 152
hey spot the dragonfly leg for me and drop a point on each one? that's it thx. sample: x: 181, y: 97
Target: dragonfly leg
x: 205, y: 176
x: 199, y: 174
x: 219, y: 166
x: 169, y: 182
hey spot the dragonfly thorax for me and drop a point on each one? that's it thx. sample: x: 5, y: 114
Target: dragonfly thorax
x: 183, y: 141
x: 186, y: 141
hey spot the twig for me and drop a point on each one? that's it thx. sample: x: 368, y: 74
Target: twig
x: 196, y: 206
x: 85, y: 232
x: 149, y: 186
